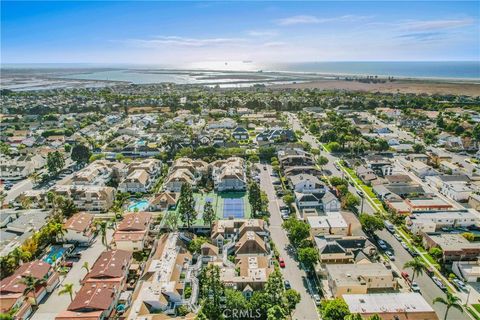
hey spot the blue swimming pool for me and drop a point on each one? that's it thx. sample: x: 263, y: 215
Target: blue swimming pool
x: 55, y: 253
x: 138, y: 205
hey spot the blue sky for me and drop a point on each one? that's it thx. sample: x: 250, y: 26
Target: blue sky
x: 192, y: 32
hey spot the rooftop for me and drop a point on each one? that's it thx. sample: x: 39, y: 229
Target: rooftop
x: 387, y: 303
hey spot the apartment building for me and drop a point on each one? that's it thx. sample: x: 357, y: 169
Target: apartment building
x: 431, y: 222
x: 359, y: 278
x: 132, y: 232
x: 79, y: 228
x: 229, y: 174
x: 161, y: 286
x: 88, y: 198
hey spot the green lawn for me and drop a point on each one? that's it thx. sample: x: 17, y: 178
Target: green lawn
x: 476, y: 306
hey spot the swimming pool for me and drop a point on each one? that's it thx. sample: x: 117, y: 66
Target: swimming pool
x: 139, y: 205
x: 55, y: 253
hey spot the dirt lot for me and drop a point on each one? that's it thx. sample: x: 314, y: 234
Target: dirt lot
x: 400, y: 86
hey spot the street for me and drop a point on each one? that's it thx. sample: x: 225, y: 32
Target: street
x: 428, y: 288
x: 306, y: 309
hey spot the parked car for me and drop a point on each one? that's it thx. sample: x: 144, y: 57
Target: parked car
x: 285, y: 216
x: 317, y: 299
x: 382, y: 244
x: 397, y: 236
x: 276, y: 182
x: 412, y: 252
x: 404, y: 245
x: 281, y: 262
x: 406, y: 276
x: 415, y: 287
x: 265, y: 168
x: 287, y: 284
x: 390, y: 255
x: 439, y: 283
x: 459, y: 284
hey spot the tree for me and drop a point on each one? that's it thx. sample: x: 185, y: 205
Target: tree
x: 195, y: 245
x: 31, y: 285
x: 275, y: 312
x: 308, y: 256
x: 19, y: 256
x: 417, y: 265
x: 293, y: 298
x: 370, y: 223
x: 350, y: 201
x: 275, y: 289
x: 86, y: 266
x: 101, y: 228
x: 335, y: 309
x: 436, y: 253
x: 55, y: 162
x: 254, y: 198
x: 81, y: 153
x: 298, y: 231
x: 68, y: 208
x: 321, y: 161
x: 450, y: 301
x: 208, y: 214
x: 67, y: 288
x: 186, y: 206
x: 354, y: 316
x: 235, y: 300
x: 212, y: 291
x: 469, y: 236
x: 288, y: 199
x: 418, y: 148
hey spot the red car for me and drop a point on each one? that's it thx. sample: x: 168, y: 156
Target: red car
x: 281, y: 261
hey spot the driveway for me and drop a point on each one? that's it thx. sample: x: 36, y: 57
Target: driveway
x: 306, y: 309
x: 53, y: 304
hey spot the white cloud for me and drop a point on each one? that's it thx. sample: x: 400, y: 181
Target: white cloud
x: 298, y: 20
x: 437, y: 24
x: 262, y: 33
x: 181, y: 41
x: 306, y: 19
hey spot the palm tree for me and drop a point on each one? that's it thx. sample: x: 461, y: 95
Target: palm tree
x: 31, y: 285
x: 67, y: 288
x: 86, y: 266
x: 417, y: 266
x: 449, y: 302
x: 101, y: 228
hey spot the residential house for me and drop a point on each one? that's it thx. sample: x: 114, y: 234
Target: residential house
x: 240, y: 133
x: 249, y: 273
x: 390, y: 306
x: 275, y: 134
x: 359, y: 278
x: 306, y: 183
x: 229, y: 174
x: 449, y: 168
x: 474, y: 201
x: 89, y: 198
x: 184, y: 170
x: 418, y: 157
x: 326, y: 202
x: 332, y: 223
x: 132, y: 232
x: 250, y: 243
x: 454, y: 246
x: 12, y: 290
x: 380, y: 166
x: 338, y: 249
x: 421, y: 169
x: 79, y: 228
x: 235, y: 228
x: 164, y: 201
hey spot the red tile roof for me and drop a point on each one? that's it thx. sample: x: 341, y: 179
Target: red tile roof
x: 138, y: 221
x: 37, y: 269
x: 95, y: 296
x: 110, y: 264
x: 79, y: 222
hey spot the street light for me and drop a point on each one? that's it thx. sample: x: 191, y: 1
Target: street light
x: 361, y: 206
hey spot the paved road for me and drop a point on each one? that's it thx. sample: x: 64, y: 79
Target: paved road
x: 18, y: 188
x: 54, y: 304
x: 428, y: 288
x: 306, y: 309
